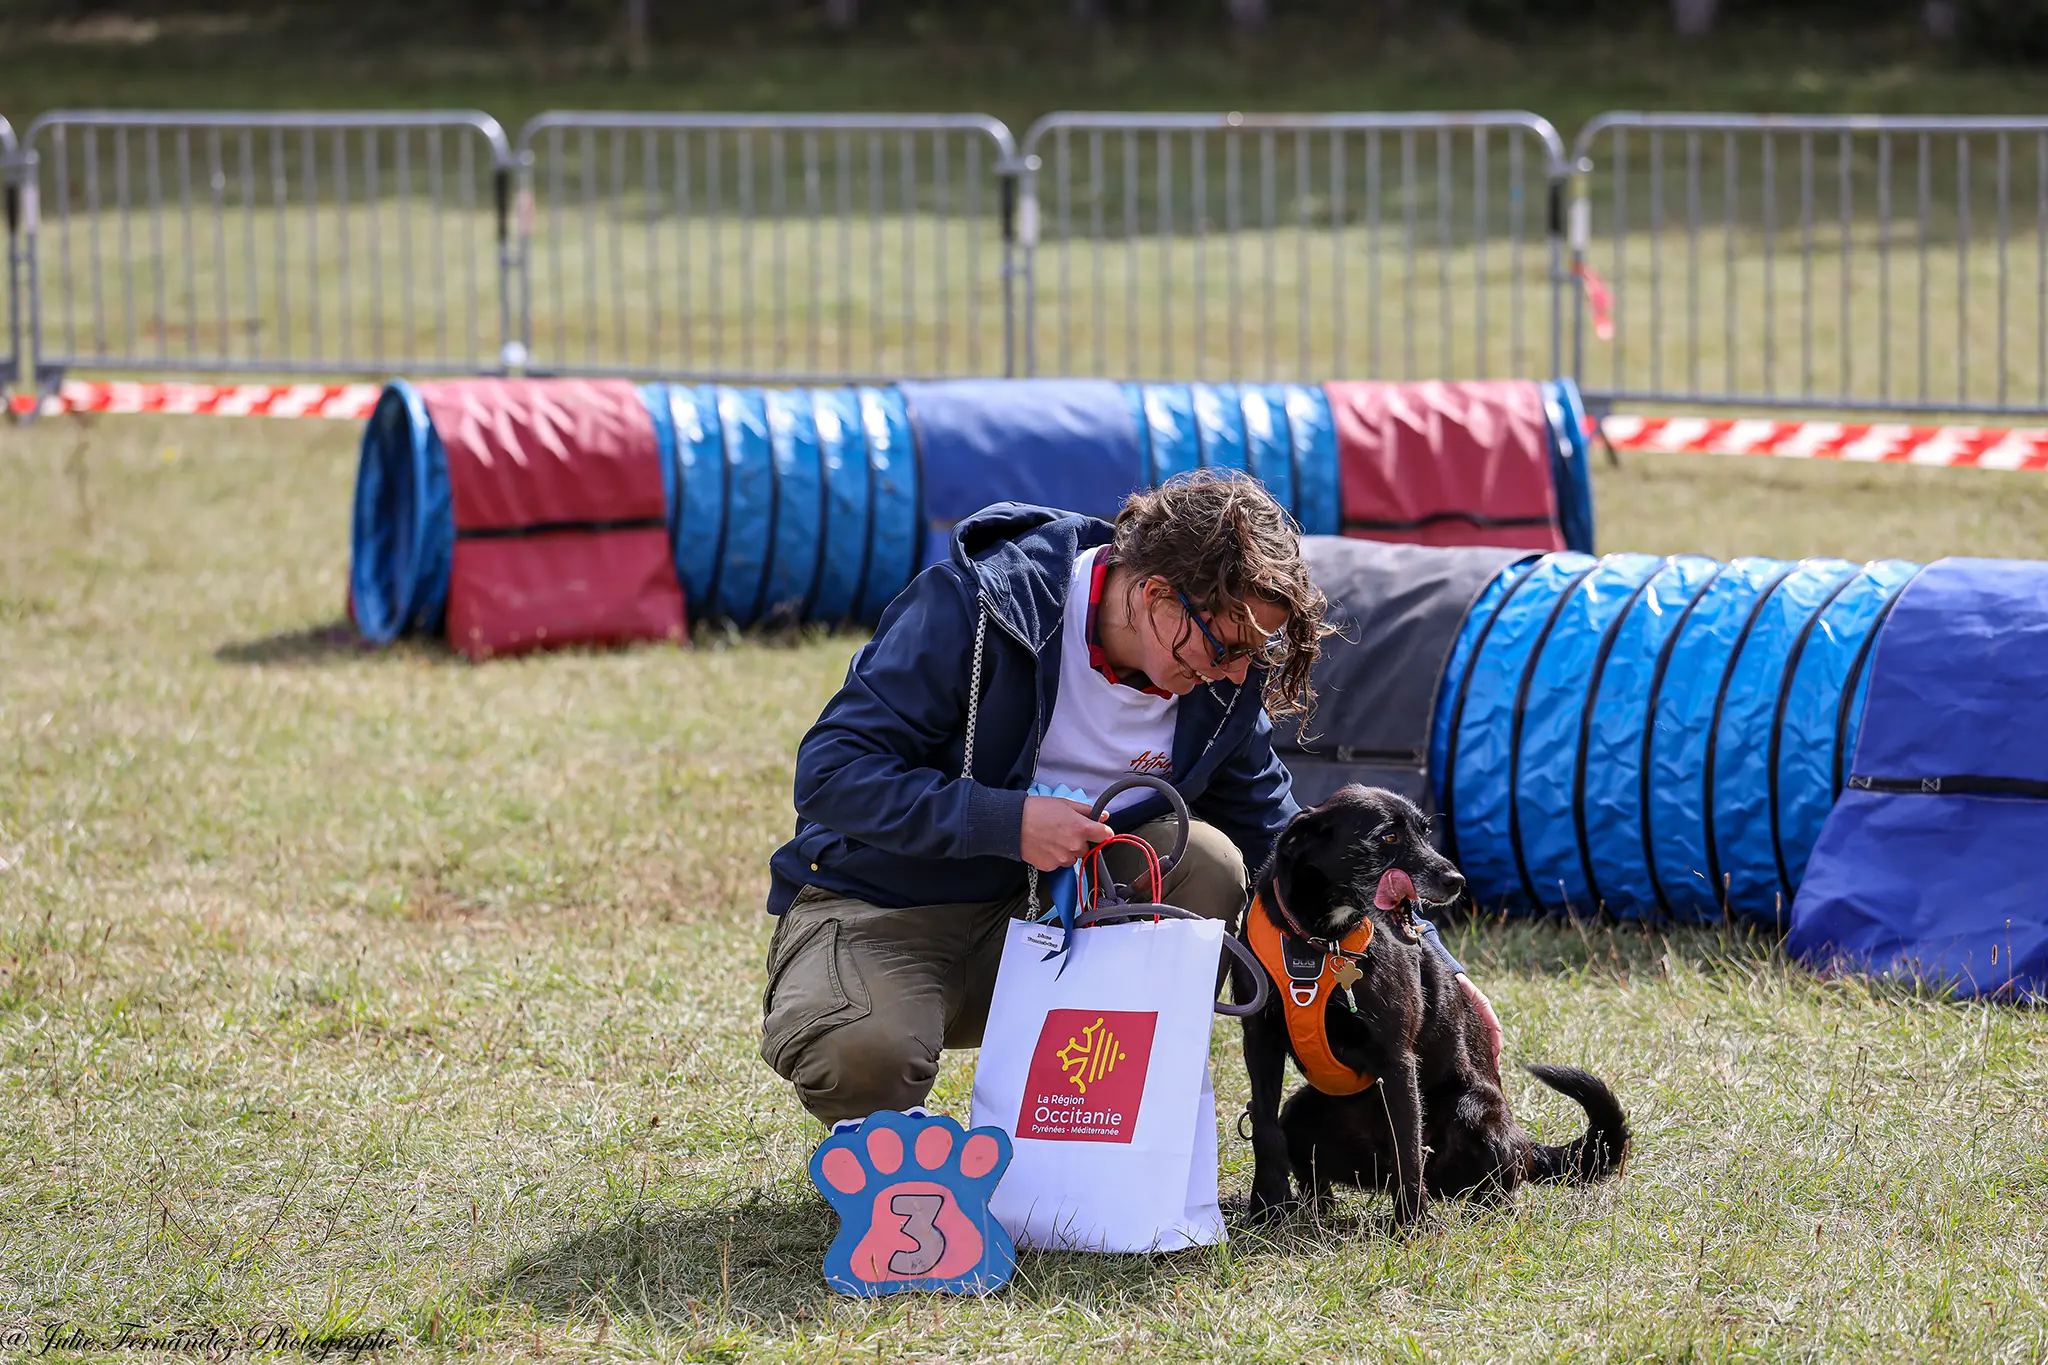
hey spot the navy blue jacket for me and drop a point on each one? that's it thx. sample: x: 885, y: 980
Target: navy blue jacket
x: 883, y: 813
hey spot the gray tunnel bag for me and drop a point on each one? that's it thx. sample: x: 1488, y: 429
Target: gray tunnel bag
x: 1398, y: 609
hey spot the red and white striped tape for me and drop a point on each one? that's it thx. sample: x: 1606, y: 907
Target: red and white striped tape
x: 350, y: 402
x: 1868, y: 442
x: 1871, y: 442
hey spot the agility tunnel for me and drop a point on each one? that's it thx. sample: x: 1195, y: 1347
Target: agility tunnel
x: 1630, y: 736
x: 818, y: 505
x: 1853, y: 755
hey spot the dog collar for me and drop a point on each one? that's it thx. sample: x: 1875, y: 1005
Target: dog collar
x: 1299, y: 930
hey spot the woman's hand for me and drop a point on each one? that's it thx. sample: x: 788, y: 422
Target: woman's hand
x: 1486, y: 1014
x: 1058, y: 831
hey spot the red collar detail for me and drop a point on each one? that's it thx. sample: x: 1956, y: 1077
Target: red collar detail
x: 1097, y: 658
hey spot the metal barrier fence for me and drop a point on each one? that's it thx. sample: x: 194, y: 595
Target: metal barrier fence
x: 789, y: 247
x: 1293, y: 246
x: 10, y: 192
x: 343, y: 243
x: 1893, y: 264
x: 1848, y: 262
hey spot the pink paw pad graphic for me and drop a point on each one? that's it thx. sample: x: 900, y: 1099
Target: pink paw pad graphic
x: 912, y: 1191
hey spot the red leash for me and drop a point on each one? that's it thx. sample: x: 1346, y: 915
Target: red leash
x: 1089, y: 892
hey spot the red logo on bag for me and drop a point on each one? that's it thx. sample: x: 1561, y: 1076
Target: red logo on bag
x: 1087, y: 1075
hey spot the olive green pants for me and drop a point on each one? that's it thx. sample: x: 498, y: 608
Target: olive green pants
x: 861, y: 999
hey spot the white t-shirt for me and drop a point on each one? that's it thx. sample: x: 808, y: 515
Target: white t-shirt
x: 1100, y: 730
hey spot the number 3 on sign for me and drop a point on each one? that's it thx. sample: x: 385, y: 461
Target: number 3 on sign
x: 921, y: 1225
x: 911, y: 1191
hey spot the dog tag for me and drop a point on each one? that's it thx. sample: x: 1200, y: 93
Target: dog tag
x: 1348, y: 975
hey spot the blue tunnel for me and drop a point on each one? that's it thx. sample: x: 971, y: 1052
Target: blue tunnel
x: 1655, y: 737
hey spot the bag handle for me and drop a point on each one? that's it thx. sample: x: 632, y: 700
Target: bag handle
x: 1117, y: 914
x: 1173, y: 797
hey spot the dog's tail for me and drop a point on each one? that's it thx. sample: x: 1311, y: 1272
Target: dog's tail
x: 1599, y: 1152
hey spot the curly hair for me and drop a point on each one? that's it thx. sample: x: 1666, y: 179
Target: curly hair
x: 1219, y: 537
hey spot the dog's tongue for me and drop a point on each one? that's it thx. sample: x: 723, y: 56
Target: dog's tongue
x: 1394, y: 888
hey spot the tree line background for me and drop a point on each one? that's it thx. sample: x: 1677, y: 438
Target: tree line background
x: 1997, y: 30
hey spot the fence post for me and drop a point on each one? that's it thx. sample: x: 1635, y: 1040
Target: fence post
x: 1554, y: 230
x: 1007, y: 174
x: 501, y: 196
x: 29, y: 356
x: 522, y: 266
x: 11, y: 356
x: 8, y: 173
x: 515, y: 205
x: 1024, y: 230
x: 1580, y: 233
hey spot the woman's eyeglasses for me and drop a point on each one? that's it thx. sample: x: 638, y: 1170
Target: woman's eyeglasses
x: 1268, y: 653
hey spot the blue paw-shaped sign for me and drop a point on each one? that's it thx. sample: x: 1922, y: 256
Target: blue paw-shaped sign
x: 911, y: 1191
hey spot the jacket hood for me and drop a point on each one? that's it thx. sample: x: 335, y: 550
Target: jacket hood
x: 1021, y: 557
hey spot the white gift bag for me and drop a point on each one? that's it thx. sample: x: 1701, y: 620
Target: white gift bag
x: 1100, y: 1075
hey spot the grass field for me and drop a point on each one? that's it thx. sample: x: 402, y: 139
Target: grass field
x: 372, y: 991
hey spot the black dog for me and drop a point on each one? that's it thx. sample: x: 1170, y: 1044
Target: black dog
x: 1437, y: 1122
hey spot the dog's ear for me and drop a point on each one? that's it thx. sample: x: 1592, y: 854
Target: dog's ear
x: 1306, y: 835
x: 1298, y: 864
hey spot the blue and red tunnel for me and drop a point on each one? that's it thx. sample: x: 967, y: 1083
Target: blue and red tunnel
x: 795, y: 505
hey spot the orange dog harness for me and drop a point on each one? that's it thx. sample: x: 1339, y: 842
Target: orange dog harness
x: 1306, y: 977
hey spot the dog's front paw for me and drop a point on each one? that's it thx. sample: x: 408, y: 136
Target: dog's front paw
x: 1411, y: 1210
x: 1269, y: 1206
